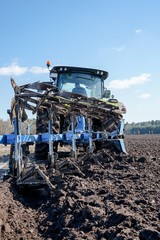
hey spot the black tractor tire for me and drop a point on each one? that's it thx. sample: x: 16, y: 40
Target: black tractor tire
x: 42, y: 149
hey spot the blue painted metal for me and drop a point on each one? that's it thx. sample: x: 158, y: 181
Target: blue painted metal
x: 65, y: 137
x: 119, y: 143
x: 44, y: 137
x: 121, y: 126
x: 80, y: 124
x: 80, y: 135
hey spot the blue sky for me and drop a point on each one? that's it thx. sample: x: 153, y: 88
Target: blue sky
x: 119, y: 36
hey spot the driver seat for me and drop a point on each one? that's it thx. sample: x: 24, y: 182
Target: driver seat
x: 79, y: 90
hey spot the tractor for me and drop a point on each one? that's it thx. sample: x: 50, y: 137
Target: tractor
x: 73, y: 109
x: 83, y: 85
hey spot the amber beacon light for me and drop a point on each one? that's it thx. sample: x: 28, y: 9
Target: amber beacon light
x: 48, y: 64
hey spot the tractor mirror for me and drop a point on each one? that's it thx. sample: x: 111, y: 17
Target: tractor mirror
x: 107, y: 93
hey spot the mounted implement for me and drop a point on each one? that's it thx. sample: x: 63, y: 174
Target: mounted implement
x: 73, y: 109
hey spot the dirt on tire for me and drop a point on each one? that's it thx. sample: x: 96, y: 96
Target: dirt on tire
x: 115, y: 199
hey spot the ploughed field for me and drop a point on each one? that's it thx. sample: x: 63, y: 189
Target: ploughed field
x: 114, y: 198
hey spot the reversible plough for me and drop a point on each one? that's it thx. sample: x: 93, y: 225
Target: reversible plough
x: 64, y: 118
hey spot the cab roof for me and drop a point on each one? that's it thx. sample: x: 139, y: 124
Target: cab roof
x: 61, y: 69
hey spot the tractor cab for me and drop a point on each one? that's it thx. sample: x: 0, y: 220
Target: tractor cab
x: 83, y: 81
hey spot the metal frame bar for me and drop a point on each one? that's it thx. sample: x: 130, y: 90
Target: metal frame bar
x: 8, y: 139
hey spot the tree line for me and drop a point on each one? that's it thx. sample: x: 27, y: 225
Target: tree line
x: 6, y: 127
x: 148, y: 127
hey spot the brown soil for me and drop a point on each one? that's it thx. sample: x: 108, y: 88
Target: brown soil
x: 116, y: 199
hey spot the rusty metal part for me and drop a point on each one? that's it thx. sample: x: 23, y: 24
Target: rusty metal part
x: 65, y: 103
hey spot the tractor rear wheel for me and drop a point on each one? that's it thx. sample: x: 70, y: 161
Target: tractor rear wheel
x: 42, y: 149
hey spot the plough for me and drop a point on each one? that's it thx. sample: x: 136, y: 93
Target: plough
x: 87, y: 120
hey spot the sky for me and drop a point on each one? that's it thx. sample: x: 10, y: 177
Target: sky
x: 118, y: 36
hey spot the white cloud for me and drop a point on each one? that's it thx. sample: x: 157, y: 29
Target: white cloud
x: 127, y: 83
x: 38, y: 70
x: 145, y: 95
x: 12, y: 69
x: 15, y: 70
x: 138, y: 31
x: 119, y: 49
